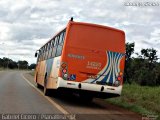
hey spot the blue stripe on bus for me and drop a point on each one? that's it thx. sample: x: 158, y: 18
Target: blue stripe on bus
x: 114, y: 67
x: 112, y: 64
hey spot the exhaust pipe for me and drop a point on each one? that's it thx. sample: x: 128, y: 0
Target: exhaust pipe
x: 102, y: 88
x: 79, y: 86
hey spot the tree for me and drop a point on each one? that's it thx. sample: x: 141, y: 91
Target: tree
x: 5, y: 62
x: 149, y: 54
x: 32, y: 66
x: 145, y: 70
x: 127, y: 71
x: 9, y: 63
x: 1, y: 62
x: 22, y: 64
x: 129, y: 50
x: 12, y: 65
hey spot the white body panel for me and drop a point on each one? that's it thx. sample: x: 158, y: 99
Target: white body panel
x: 88, y: 86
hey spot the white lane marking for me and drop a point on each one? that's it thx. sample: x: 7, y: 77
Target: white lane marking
x: 48, y: 98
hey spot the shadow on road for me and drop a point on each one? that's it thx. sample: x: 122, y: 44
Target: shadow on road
x: 73, y: 99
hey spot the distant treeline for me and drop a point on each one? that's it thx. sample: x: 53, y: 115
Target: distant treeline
x: 143, y: 69
x: 10, y: 64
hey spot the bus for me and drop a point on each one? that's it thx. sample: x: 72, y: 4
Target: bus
x: 84, y: 58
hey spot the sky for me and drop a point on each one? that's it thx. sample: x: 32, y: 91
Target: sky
x: 25, y: 25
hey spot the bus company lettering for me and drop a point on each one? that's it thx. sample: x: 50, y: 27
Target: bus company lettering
x: 81, y: 57
x: 94, y: 65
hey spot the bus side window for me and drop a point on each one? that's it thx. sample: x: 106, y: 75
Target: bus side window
x: 55, y: 46
x: 39, y: 55
x: 42, y: 54
x: 48, y: 50
x: 61, y: 38
x: 51, y: 48
x: 60, y: 45
x: 64, y: 33
x: 45, y: 56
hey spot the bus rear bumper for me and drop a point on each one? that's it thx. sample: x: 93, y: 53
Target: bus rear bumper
x: 80, y: 86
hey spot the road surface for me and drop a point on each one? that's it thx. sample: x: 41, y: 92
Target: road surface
x: 18, y: 95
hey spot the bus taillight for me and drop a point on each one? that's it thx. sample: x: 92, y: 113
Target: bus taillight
x: 117, y: 83
x: 119, y: 79
x: 64, y: 71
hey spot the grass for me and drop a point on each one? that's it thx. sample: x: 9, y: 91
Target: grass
x: 143, y: 100
x: 32, y: 73
x: 1, y: 69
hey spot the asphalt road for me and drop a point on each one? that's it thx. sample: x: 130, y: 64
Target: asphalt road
x: 18, y: 94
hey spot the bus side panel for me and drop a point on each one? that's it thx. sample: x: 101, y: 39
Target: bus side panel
x: 36, y: 72
x: 52, y: 69
x: 41, y: 73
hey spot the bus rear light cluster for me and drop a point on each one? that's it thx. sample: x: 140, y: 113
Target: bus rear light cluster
x: 64, y: 71
x: 64, y: 65
x: 119, y: 79
x: 117, y: 83
x: 65, y: 76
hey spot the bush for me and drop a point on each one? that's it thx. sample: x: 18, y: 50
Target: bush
x: 143, y: 72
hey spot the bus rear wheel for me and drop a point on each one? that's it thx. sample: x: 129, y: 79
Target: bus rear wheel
x: 38, y: 85
x: 46, y: 91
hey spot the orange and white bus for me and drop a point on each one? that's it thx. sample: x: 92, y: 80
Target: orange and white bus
x: 84, y: 58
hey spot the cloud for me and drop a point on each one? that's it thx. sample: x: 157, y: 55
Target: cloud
x: 25, y: 25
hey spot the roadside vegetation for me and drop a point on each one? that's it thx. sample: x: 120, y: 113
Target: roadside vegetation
x: 143, y: 69
x: 32, y: 73
x: 1, y: 69
x: 143, y: 100
x: 7, y: 63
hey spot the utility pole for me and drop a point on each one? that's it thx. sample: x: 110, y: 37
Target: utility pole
x: 18, y: 66
x: 7, y: 63
x: 7, y: 56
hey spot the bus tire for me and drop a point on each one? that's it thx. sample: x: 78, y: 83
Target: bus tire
x: 46, y: 91
x: 38, y: 85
